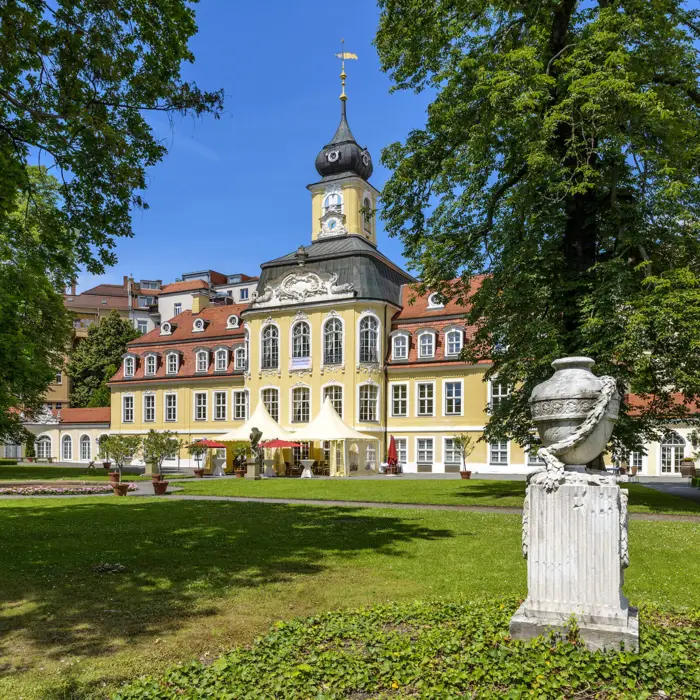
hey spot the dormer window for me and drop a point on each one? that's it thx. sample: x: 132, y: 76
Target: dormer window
x: 150, y: 365
x: 241, y: 362
x: 202, y: 361
x: 232, y: 322
x: 426, y: 344
x: 129, y: 365
x: 454, y: 340
x: 166, y: 328
x: 173, y: 363
x: 399, y: 346
x: 435, y: 301
x: 221, y: 360
x: 198, y: 325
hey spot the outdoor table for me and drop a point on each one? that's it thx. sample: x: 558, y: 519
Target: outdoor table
x: 307, y: 464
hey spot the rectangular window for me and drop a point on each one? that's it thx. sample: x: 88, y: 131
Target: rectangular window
x: 12, y: 450
x: 200, y: 406
x: 335, y: 393
x: 401, y: 450
x: 59, y: 379
x: 425, y: 450
x: 171, y: 408
x: 400, y: 347
x: 271, y: 400
x: 219, y: 405
x: 150, y: 365
x: 142, y: 327
x: 173, y: 363
x: 370, y: 457
x: 299, y: 453
x: 533, y: 458
x: 453, y: 398
x: 202, y: 361
x: 426, y: 399
x: 129, y: 367
x: 399, y: 400
x: 243, y: 294
x: 499, y: 391
x: 453, y: 342
x: 426, y: 345
x: 636, y: 459
x: 301, y: 408
x: 149, y: 408
x: 128, y: 409
x: 177, y: 309
x: 240, y: 405
x: 221, y: 360
x: 368, y: 403
x: 452, y: 455
x: 498, y: 453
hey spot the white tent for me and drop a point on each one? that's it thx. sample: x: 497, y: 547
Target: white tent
x: 329, y: 426
x: 261, y: 420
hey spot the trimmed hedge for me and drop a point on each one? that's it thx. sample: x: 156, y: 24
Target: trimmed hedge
x: 8, y: 462
x: 437, y: 650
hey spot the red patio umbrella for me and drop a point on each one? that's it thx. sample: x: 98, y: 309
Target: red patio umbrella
x: 212, y: 444
x: 272, y: 444
x: 392, y: 458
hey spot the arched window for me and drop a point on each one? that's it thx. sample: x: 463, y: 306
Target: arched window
x: 85, y: 448
x: 128, y: 366
x: 202, y: 361
x: 400, y: 347
x: 221, y: 360
x: 672, y: 449
x: 301, y: 404
x: 270, y: 347
x: 271, y: 400
x: 241, y: 362
x: 435, y: 302
x: 67, y: 448
x: 43, y: 447
x: 369, y: 336
x: 332, y: 200
x: 301, y: 340
x: 367, y: 213
x: 150, y: 365
x: 333, y: 342
x: 453, y: 341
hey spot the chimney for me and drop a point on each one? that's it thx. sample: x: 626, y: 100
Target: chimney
x: 200, y: 301
x: 125, y: 282
x: 73, y: 288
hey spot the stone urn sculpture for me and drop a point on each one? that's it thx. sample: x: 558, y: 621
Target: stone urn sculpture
x: 561, y: 405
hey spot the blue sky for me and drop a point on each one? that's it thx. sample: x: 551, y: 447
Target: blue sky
x: 231, y: 193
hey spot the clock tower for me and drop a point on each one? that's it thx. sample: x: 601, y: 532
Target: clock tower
x: 343, y: 202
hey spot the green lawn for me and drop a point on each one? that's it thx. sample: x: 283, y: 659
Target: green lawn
x: 202, y: 577
x: 474, y: 492
x: 27, y: 472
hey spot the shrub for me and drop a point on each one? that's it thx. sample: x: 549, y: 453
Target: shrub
x: 8, y: 462
x: 437, y: 650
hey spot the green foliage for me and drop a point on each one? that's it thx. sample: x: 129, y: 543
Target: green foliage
x: 95, y: 359
x: 437, y: 650
x: 8, y: 462
x: 29, y: 446
x: 121, y: 449
x: 158, y: 446
x: 559, y: 159
x: 197, y: 451
x: 103, y: 447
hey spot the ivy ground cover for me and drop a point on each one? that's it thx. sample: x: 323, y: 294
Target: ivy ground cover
x: 99, y: 591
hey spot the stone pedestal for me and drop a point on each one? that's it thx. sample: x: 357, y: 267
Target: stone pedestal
x: 252, y: 470
x: 575, y: 542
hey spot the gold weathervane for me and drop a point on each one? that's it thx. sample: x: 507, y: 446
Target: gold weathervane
x: 343, y: 56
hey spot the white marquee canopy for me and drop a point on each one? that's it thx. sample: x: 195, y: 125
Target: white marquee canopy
x: 264, y: 422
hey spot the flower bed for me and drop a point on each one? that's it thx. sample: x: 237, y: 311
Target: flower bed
x: 436, y: 651
x: 41, y: 490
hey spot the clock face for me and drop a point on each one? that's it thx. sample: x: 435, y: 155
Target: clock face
x: 332, y: 224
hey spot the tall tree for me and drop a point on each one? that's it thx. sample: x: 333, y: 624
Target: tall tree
x: 559, y: 159
x: 95, y: 359
x: 77, y: 79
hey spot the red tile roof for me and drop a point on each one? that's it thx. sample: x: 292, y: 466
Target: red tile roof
x: 679, y: 404
x: 415, y: 306
x: 84, y: 415
x: 187, y: 286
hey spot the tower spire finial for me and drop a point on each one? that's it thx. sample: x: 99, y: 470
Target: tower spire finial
x: 342, y: 56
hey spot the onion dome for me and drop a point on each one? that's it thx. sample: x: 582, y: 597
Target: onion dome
x: 343, y: 155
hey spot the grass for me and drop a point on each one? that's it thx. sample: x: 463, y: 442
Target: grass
x: 202, y: 577
x: 30, y: 472
x: 474, y: 492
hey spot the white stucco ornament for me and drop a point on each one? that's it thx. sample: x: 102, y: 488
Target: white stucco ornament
x: 302, y: 285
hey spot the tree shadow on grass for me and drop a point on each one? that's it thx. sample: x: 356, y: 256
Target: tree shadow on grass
x: 175, y: 553
x: 493, y: 491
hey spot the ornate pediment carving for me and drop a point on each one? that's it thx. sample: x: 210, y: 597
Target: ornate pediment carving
x: 300, y: 286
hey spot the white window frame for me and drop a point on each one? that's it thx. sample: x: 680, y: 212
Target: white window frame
x: 377, y: 402
x: 124, y: 408
x: 433, y: 301
x: 139, y: 323
x: 432, y: 450
x: 664, y: 444
x: 232, y: 322
x: 499, y: 449
x: 454, y: 451
x: 149, y: 395
x: 236, y: 404
x: 402, y: 335
x: 148, y: 360
x: 81, y: 443
x: 129, y: 366
x: 216, y: 406
x: 168, y: 357
x: 500, y: 396
x: 166, y: 328
x: 167, y: 408
x: 276, y: 389
x: 433, y: 343
x: 307, y: 388
x: 405, y: 386
x: 333, y: 386
x: 42, y: 453
x: 240, y: 364
x: 460, y: 334
x: 418, y: 399
x: 401, y: 449
x: 532, y: 459
x: 196, y: 408
x: 177, y: 308
x: 67, y: 440
x: 198, y: 326
x: 326, y: 321
x: 445, y: 382
x: 300, y: 361
x: 263, y: 366
x: 218, y: 354
x: 378, y: 349
x: 198, y: 355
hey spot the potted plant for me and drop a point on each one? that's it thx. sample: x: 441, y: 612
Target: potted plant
x: 122, y: 449
x: 104, y: 452
x: 240, y: 455
x: 465, y: 444
x: 157, y: 447
x: 197, y: 451
x: 687, y: 467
